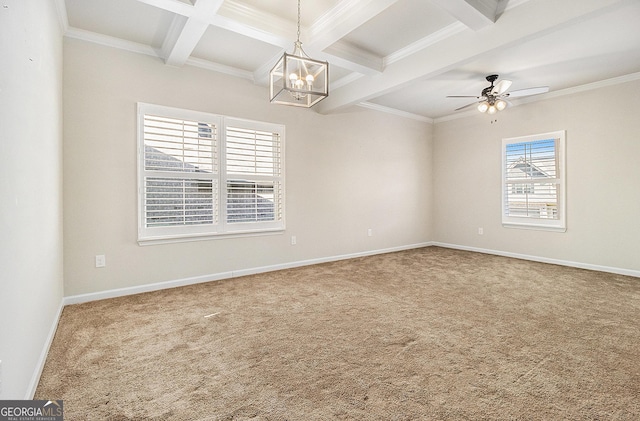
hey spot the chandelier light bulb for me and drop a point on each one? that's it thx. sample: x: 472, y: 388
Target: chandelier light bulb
x: 501, y: 104
x: 483, y: 106
x: 492, y: 109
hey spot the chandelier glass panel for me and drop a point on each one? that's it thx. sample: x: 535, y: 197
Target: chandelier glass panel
x: 297, y: 79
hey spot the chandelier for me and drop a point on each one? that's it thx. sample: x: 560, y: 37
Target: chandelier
x: 297, y: 79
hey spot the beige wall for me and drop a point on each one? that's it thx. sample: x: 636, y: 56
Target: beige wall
x: 30, y: 189
x: 345, y: 173
x: 603, y: 194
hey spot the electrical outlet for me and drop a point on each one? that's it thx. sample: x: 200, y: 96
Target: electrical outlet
x: 293, y: 240
x: 101, y: 261
x: 369, y: 232
x: 480, y: 231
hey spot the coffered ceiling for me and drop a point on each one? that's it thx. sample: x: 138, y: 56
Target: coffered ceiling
x: 398, y: 56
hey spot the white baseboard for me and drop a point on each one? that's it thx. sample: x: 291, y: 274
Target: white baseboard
x: 35, y: 379
x: 113, y: 293
x: 618, y: 271
x: 120, y: 292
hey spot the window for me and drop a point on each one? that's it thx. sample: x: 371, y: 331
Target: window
x: 533, y: 182
x: 203, y: 175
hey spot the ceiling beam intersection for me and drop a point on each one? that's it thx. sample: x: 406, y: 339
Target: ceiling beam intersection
x: 185, y: 35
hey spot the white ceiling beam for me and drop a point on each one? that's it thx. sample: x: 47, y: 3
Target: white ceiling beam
x: 346, y: 16
x: 61, y: 9
x: 352, y: 58
x: 431, y: 39
x: 476, y: 14
x: 177, y: 49
x: 274, y: 30
x: 234, y: 16
x: 255, y: 23
x: 394, y: 111
x: 526, y: 22
x: 175, y: 6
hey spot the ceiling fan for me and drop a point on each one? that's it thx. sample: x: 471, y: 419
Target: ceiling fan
x: 494, y: 98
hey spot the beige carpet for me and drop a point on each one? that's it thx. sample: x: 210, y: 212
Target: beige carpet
x: 429, y: 334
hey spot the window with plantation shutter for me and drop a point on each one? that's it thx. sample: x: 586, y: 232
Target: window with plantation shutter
x: 253, y: 173
x: 533, y: 186
x: 203, y: 175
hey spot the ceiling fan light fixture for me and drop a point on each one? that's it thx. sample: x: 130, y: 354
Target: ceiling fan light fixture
x: 297, y: 79
x: 492, y: 98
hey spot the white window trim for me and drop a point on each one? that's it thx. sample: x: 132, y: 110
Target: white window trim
x: 557, y: 225
x: 221, y: 230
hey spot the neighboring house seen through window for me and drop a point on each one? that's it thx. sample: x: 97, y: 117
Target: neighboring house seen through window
x: 203, y: 175
x: 533, y: 182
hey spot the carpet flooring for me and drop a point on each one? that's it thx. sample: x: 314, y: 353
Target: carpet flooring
x: 424, y: 334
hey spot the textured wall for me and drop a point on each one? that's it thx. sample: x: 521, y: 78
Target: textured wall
x: 345, y: 173
x: 603, y: 197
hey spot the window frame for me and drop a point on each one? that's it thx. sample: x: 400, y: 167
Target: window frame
x: 558, y: 224
x: 220, y: 228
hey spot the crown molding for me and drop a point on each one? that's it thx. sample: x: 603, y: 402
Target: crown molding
x: 582, y: 88
x: 135, y: 47
x: 114, y: 42
x: 220, y: 68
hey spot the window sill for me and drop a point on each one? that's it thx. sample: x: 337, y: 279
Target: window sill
x: 150, y: 241
x: 534, y: 227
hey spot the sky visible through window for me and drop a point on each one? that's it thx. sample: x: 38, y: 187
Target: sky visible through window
x: 534, y: 159
x: 539, y: 149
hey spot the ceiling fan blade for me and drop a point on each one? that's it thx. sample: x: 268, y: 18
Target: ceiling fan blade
x: 465, y: 106
x: 463, y: 96
x: 528, y: 91
x: 501, y: 87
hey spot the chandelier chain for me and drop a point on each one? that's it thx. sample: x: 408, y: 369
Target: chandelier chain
x: 298, y: 20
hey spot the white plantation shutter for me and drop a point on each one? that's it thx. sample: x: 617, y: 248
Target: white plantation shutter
x: 533, y: 181
x: 179, y: 201
x: 179, y: 145
x: 252, y: 152
x: 254, y: 181
x: 197, y: 179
